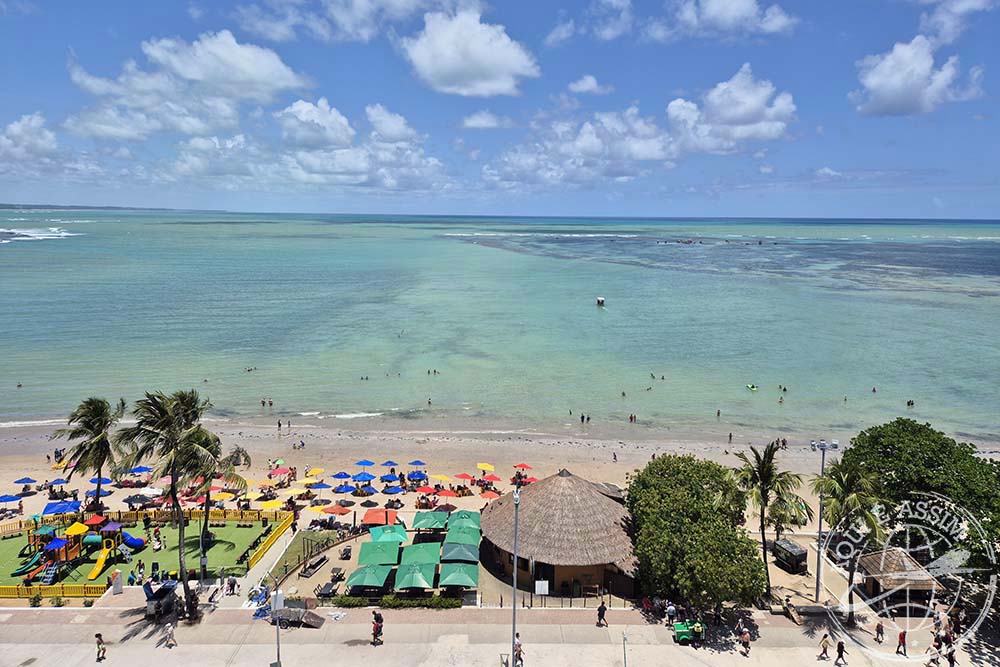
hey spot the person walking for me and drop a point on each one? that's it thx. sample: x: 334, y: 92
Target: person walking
x: 824, y: 646
x: 879, y: 632
x: 841, y: 652
x: 518, y: 650
x: 378, y: 623
x: 745, y: 640
x: 169, y: 632
x: 102, y: 648
x: 901, y: 644
x: 935, y: 658
x: 601, y: 611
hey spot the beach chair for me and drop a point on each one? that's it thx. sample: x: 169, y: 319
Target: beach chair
x: 345, y: 553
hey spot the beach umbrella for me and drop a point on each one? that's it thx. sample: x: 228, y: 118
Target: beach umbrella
x: 491, y: 478
x: 425, y: 489
x: 380, y: 517
x: 318, y: 509
x: 378, y: 553
x: 415, y: 575
x: 279, y: 462
x: 388, y: 478
x: 490, y: 495
x: 150, y: 491
x: 344, y: 488
x: 446, y: 508
x: 464, y: 475
x: 7, y: 498
x: 321, y: 486
x: 59, y: 482
x: 363, y: 477
x: 393, y: 489
x: 139, y: 469
x: 466, y: 516
x: 339, y: 510
x: 93, y: 492
x: 342, y: 475
x: 459, y: 574
x: 429, y: 520
x: 101, y: 480
x: 416, y: 475
x: 308, y: 479
x: 416, y: 462
x: 442, y: 478
x: 272, y: 504
x: 369, y: 503
x: 447, y: 493
x: 463, y: 552
x: 425, y: 553
x: 390, y: 464
x: 280, y: 471
x: 464, y: 535
x: 369, y: 576
x: 522, y: 466
x: 364, y: 463
x: 394, y: 533
x: 370, y: 490
x: 531, y: 480
x: 24, y: 480
x: 225, y: 495
x: 485, y: 466
x: 315, y: 471
x: 136, y: 499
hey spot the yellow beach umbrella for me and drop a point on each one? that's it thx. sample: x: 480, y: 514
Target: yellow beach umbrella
x: 441, y: 478
x: 272, y: 504
x: 223, y: 495
x: 307, y: 480
x: 316, y: 471
x: 318, y: 509
x: 485, y: 466
x: 289, y: 492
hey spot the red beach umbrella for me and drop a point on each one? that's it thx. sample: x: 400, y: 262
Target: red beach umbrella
x: 523, y: 466
x: 339, y: 510
x: 491, y: 478
x: 465, y: 476
x: 531, y: 480
x: 447, y: 493
x: 425, y: 489
x: 491, y: 495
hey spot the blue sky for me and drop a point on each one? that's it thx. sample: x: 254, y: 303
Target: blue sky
x: 856, y: 108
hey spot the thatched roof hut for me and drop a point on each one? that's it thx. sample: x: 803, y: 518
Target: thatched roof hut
x: 564, y: 520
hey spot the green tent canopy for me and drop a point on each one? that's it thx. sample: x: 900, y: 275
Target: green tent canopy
x: 378, y: 553
x: 415, y: 575
x: 427, y: 553
x: 459, y: 574
x: 430, y: 520
x: 370, y: 576
x: 395, y: 533
x: 462, y: 536
x: 458, y: 551
x: 463, y: 519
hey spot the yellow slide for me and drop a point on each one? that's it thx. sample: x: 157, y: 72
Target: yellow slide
x: 99, y: 565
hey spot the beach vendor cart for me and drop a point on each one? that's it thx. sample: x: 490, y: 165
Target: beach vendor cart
x: 162, y: 601
x: 790, y: 556
x: 689, y: 632
x: 297, y: 612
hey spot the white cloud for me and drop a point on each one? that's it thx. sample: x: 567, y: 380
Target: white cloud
x: 826, y: 173
x: 588, y: 84
x: 194, y: 88
x: 708, y: 18
x: 485, y: 120
x: 563, y: 32
x: 949, y: 18
x: 316, y: 125
x: 766, y: 169
x: 27, y: 138
x: 195, y: 12
x: 388, y: 126
x: 906, y: 81
x: 612, y: 18
x: 329, y: 20
x: 459, y: 54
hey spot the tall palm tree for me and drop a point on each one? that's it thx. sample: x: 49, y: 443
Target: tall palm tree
x: 849, y: 503
x: 765, y: 484
x: 219, y: 466
x: 783, y: 515
x: 92, y: 422
x: 168, y: 433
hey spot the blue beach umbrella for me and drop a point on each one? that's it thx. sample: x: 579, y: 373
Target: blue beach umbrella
x: 388, y: 478
x: 416, y: 462
x: 102, y: 480
x: 364, y: 463
x: 364, y: 477
x: 390, y: 464
x: 369, y: 489
x: 344, y: 488
x: 62, y: 507
x: 7, y: 498
x: 24, y: 480
x: 342, y: 475
x: 321, y: 485
x: 138, y: 469
x: 416, y: 475
x: 93, y: 492
x: 393, y: 489
x: 59, y: 482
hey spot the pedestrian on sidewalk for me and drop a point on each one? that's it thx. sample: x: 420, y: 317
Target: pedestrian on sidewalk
x: 102, y: 648
x: 879, y: 632
x: 745, y: 640
x: 601, y: 611
x: 935, y: 658
x: 901, y: 644
x: 377, y: 624
x: 518, y: 650
x: 169, y: 632
x: 841, y: 652
x: 824, y: 646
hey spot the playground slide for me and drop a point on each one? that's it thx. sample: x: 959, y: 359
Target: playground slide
x: 28, y: 565
x: 37, y: 571
x: 99, y: 565
x: 133, y: 542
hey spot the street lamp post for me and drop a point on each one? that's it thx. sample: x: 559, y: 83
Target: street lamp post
x: 277, y: 627
x: 822, y: 446
x: 513, y: 627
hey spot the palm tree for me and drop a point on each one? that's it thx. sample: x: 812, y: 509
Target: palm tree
x: 783, y: 515
x: 849, y: 503
x: 168, y: 433
x: 224, y: 467
x: 765, y: 484
x: 92, y: 422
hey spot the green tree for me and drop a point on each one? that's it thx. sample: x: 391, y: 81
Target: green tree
x: 686, y: 546
x: 92, y: 423
x: 219, y: 466
x: 168, y: 433
x: 786, y: 513
x: 766, y: 484
x: 850, y: 503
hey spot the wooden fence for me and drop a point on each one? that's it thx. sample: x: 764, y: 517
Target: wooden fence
x: 55, y: 590
x: 271, y: 539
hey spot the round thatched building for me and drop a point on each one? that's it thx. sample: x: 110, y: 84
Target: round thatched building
x: 571, y: 532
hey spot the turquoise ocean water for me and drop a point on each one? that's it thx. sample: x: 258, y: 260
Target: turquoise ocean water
x: 115, y: 302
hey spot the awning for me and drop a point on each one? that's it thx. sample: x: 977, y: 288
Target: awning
x: 459, y: 574
x: 57, y: 543
x: 415, y: 575
x: 464, y: 519
x: 95, y: 520
x: 394, y: 533
x: 111, y: 527
x: 370, y: 576
x: 77, y: 529
x: 452, y: 551
x: 462, y: 536
x: 45, y: 530
x: 379, y: 517
x: 426, y: 553
x: 430, y: 520
x: 378, y: 553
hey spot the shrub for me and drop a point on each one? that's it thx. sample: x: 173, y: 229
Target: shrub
x: 57, y: 602
x: 347, y: 601
x: 434, y: 602
x: 87, y: 602
x: 35, y: 600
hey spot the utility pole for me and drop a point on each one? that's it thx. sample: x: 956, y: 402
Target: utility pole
x: 513, y: 626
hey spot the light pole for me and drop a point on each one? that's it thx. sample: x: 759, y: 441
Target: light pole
x: 513, y: 626
x: 277, y: 626
x: 624, y: 649
x: 822, y: 446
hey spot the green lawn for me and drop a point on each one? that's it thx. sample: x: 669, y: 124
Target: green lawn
x: 230, y: 542
x: 305, y: 544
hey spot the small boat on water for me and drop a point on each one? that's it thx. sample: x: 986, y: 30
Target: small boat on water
x: 600, y: 302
